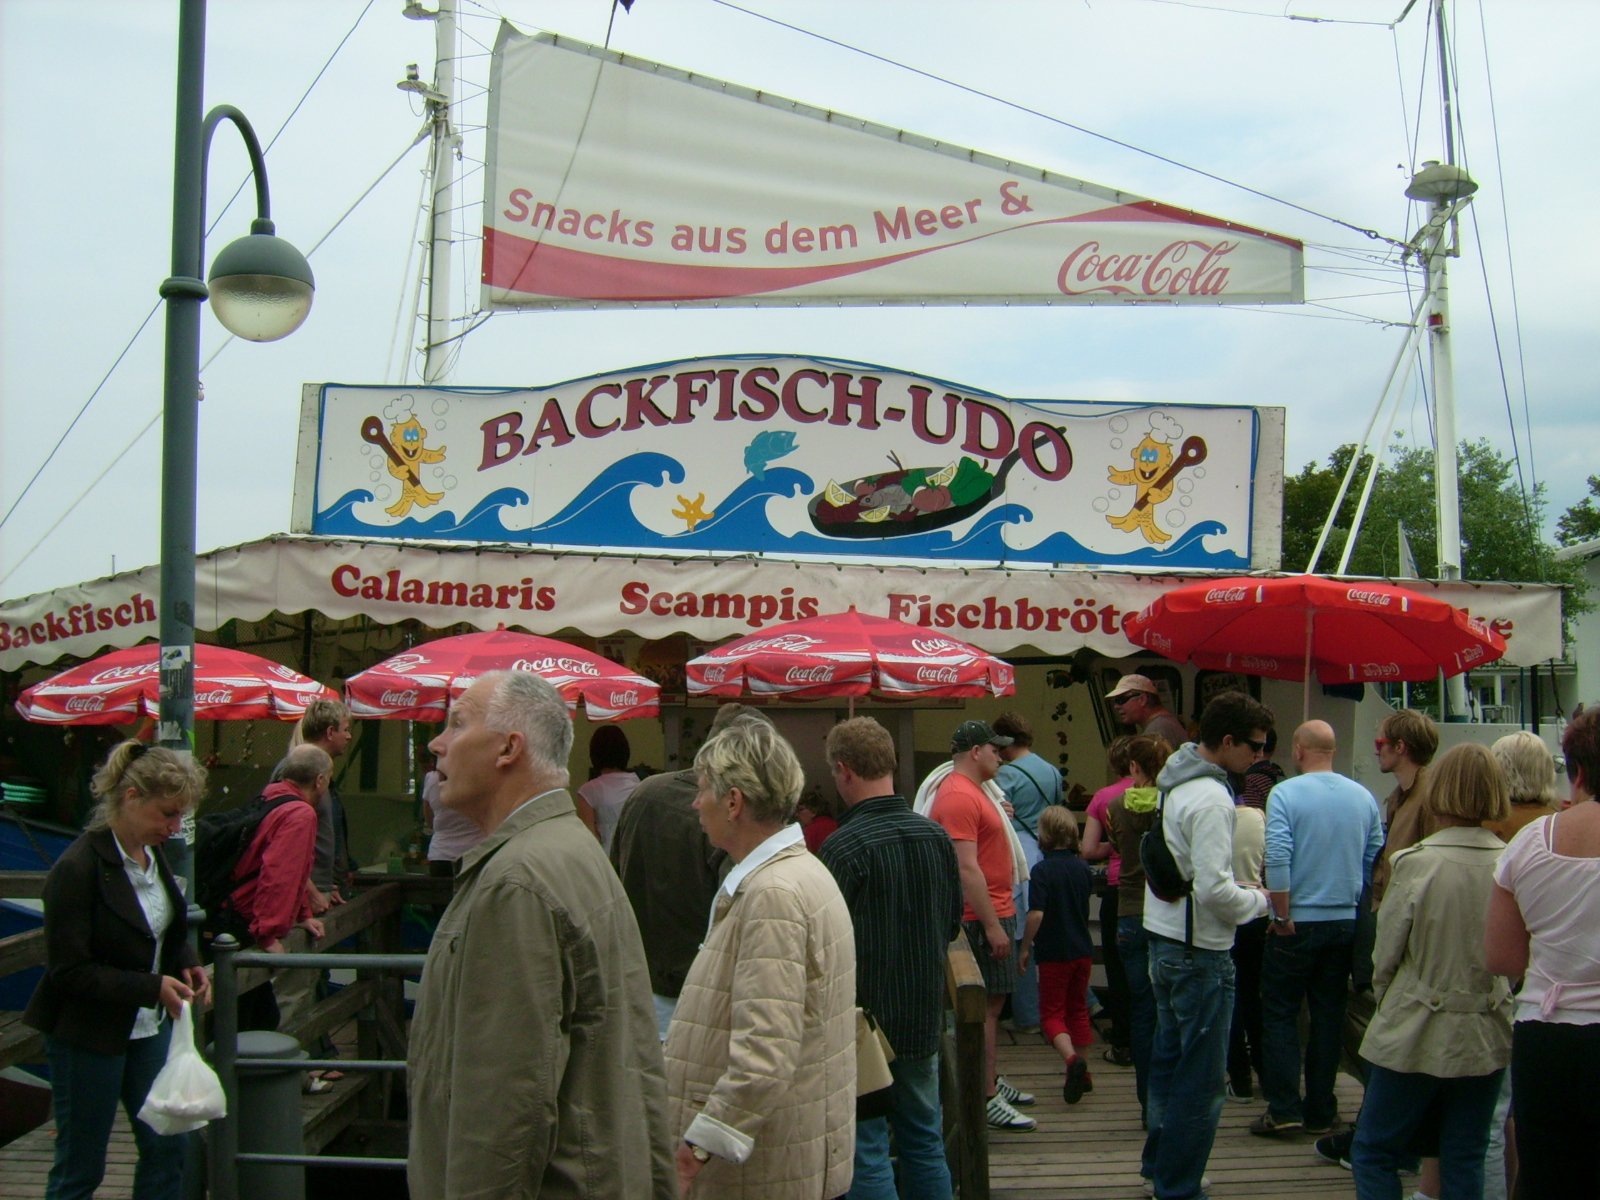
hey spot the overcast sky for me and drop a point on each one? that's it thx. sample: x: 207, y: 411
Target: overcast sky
x: 1321, y: 114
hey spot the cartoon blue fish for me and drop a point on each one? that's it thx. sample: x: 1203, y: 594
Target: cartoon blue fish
x: 765, y: 447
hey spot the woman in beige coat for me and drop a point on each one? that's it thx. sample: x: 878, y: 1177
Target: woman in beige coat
x: 1441, y: 1036
x: 761, y: 1067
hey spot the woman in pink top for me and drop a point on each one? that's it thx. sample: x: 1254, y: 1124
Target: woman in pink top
x: 1097, y: 846
x: 1544, y: 925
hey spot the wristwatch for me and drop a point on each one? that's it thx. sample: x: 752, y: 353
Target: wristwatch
x: 700, y: 1153
x: 1277, y: 920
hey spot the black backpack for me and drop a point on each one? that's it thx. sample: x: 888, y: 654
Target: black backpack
x: 1161, y: 870
x: 221, y: 839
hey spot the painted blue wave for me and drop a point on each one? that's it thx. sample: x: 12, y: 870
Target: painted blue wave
x: 601, y: 516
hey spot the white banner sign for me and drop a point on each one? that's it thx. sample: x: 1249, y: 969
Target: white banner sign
x: 1056, y: 612
x: 795, y: 457
x: 614, y: 180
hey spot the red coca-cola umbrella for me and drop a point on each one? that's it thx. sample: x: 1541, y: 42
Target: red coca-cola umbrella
x: 849, y: 654
x: 1301, y: 626
x: 120, y: 687
x: 419, y: 684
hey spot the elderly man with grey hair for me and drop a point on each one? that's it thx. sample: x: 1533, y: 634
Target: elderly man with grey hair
x: 534, y: 1065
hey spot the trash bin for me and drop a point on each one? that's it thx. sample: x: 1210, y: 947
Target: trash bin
x: 268, y: 1117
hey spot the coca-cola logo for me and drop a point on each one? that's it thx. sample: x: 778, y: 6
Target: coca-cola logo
x: 86, y: 704
x: 1372, y: 599
x: 1471, y: 655
x: 1160, y: 643
x: 1233, y: 595
x: 283, y: 672
x: 219, y: 695
x: 938, y: 675
x: 627, y: 699
x: 1254, y: 662
x: 794, y: 643
x: 934, y: 647
x: 1182, y: 268
x: 1375, y: 670
x: 555, y: 664
x: 399, y: 698
x: 125, y: 674
x: 402, y: 664
x: 714, y: 674
x: 821, y: 673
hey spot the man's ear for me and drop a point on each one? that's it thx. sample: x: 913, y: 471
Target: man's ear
x: 512, y: 750
x: 735, y: 803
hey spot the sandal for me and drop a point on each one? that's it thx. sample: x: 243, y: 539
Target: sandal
x: 330, y: 1076
x: 315, y: 1086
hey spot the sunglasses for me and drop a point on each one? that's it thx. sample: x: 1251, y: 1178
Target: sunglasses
x: 1259, y: 747
x: 1379, y: 743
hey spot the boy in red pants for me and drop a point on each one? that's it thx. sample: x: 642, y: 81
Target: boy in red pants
x: 1058, y: 929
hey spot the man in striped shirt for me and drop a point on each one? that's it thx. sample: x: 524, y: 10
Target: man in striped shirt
x: 897, y: 872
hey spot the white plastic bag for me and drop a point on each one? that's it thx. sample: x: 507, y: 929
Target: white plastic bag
x: 187, y: 1093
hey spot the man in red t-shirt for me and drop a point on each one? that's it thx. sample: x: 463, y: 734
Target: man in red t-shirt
x: 978, y: 829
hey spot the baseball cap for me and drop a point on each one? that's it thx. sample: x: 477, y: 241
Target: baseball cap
x: 1132, y: 683
x: 969, y: 735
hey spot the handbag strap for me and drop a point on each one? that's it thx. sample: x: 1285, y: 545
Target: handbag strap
x: 1188, y: 901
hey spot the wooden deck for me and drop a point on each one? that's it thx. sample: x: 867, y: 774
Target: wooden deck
x: 1090, y: 1150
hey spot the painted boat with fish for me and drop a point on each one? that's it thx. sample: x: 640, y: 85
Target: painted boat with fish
x: 907, y: 500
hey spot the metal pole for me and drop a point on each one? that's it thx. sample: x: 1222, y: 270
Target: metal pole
x: 223, y: 1134
x: 436, y: 352
x: 184, y: 291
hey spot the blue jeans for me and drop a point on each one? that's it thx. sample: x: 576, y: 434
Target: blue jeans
x: 87, y: 1088
x: 1132, y: 944
x: 1025, y: 996
x: 1311, y: 964
x: 1399, y: 1106
x: 918, y: 1137
x: 1194, y: 1008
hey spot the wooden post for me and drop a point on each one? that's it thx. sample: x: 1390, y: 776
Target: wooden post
x: 967, y: 1144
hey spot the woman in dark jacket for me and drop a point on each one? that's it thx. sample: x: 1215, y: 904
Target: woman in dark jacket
x: 117, y: 964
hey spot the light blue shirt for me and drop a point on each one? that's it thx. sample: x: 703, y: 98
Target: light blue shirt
x: 1323, y: 835
x: 1032, y: 785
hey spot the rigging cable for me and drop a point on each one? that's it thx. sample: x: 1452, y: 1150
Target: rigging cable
x: 1061, y: 121
x: 151, y: 423
x: 156, y: 307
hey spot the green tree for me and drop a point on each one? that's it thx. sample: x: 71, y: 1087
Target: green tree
x: 1499, y: 532
x: 1581, y: 522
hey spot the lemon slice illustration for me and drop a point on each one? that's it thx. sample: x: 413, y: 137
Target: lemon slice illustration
x: 874, y: 515
x: 836, y: 495
x: 943, y: 478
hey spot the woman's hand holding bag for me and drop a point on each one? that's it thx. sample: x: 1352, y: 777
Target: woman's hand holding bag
x: 187, y: 1093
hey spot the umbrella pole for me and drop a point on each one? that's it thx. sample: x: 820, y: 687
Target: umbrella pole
x: 1305, y: 701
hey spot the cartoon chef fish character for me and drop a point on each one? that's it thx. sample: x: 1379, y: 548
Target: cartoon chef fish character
x: 409, y: 453
x: 1152, y: 484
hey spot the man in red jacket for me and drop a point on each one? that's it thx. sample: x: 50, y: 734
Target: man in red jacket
x: 270, y: 898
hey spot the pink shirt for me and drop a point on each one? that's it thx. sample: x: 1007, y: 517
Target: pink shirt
x: 1097, y: 809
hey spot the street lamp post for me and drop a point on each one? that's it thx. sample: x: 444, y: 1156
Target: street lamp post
x: 261, y: 290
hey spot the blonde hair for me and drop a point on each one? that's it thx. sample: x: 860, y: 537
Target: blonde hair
x: 1467, y: 783
x: 749, y: 754
x: 151, y: 771
x: 1058, y: 829
x: 1530, y: 768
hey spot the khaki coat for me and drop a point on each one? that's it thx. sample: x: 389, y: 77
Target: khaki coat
x: 535, y: 1062
x: 761, y: 1053
x: 1439, y: 1012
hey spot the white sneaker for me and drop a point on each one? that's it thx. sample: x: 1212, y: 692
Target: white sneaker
x: 1002, y: 1116
x: 1009, y: 1094
x: 1150, y: 1185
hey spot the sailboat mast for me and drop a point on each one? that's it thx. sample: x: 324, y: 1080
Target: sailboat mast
x: 436, y: 350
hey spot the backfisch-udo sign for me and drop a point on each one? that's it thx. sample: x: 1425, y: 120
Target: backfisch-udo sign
x: 794, y: 457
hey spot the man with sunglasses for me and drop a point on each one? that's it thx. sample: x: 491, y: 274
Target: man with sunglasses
x: 1323, y: 835
x: 1136, y: 702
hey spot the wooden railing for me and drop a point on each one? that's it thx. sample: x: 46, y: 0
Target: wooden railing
x: 966, y: 1124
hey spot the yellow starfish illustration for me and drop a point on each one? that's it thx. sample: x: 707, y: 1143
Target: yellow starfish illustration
x: 693, y: 511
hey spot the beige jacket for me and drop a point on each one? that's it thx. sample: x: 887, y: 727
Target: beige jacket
x: 761, y: 1065
x: 1440, y: 1012
x: 535, y: 1063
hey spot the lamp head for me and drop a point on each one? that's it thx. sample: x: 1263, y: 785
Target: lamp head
x: 1440, y: 183
x: 261, y: 286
